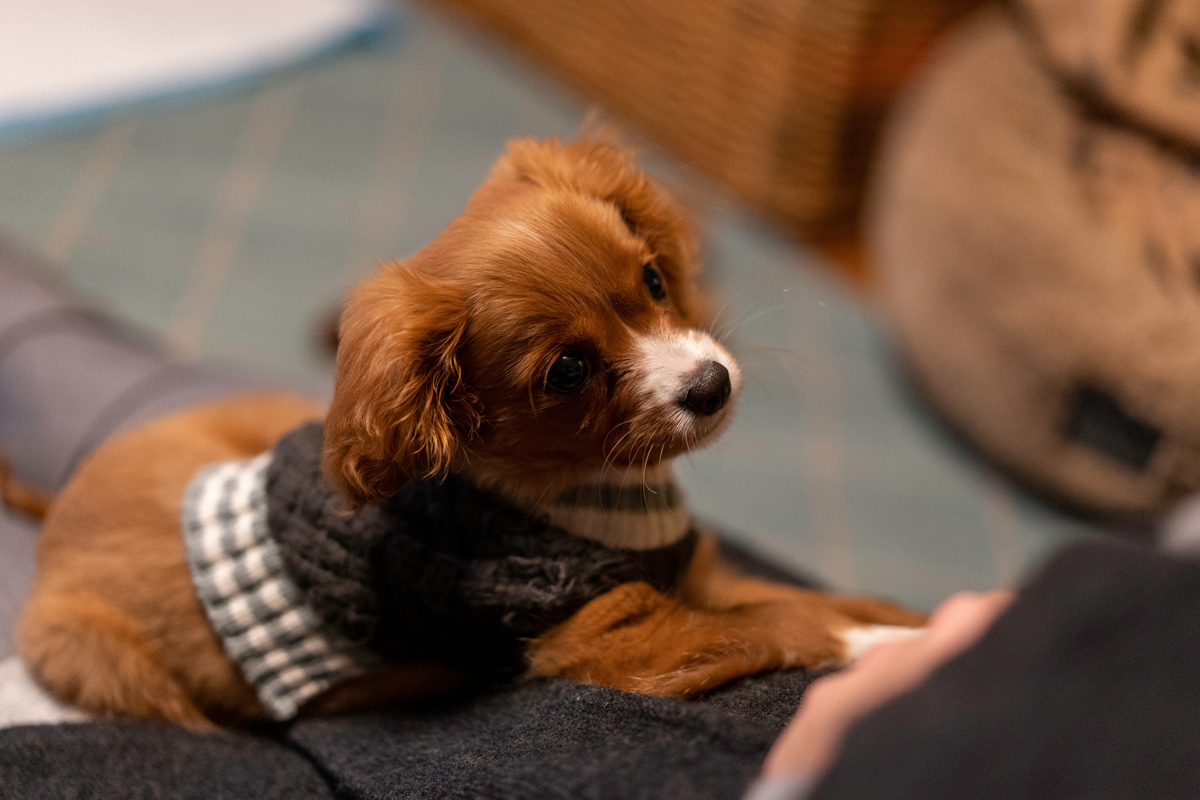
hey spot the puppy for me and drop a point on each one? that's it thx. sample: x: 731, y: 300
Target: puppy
x: 490, y: 489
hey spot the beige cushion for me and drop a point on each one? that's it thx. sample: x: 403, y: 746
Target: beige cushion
x: 1041, y: 264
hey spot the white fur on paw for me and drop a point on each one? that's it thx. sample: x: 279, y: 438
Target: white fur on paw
x: 23, y: 702
x: 861, y: 639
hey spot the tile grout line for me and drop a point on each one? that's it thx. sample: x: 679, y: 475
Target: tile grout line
x: 233, y: 204
x: 77, y: 208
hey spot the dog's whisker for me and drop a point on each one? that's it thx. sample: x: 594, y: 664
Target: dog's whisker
x: 604, y: 444
x: 753, y: 315
x: 717, y: 317
x: 646, y: 466
x: 611, y: 455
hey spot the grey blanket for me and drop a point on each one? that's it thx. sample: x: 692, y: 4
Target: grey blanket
x: 1084, y: 689
x: 544, y: 739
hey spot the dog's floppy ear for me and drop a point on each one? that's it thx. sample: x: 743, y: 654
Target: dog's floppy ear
x: 399, y: 407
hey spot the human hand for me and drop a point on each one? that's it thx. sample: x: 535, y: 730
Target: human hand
x: 832, y: 704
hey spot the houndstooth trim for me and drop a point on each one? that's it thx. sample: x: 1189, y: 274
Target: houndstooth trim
x: 282, y: 647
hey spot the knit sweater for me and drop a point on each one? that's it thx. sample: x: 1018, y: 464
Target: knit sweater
x: 305, y: 594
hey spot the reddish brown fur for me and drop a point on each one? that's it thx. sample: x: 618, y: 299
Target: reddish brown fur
x: 442, y: 366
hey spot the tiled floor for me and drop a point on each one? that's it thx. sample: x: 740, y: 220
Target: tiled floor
x: 232, y: 226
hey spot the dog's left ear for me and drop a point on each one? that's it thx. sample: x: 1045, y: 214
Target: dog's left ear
x: 399, y: 409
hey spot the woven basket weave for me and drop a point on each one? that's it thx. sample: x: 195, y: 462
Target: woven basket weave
x: 779, y: 100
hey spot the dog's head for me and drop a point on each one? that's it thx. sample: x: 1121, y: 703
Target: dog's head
x: 553, y: 328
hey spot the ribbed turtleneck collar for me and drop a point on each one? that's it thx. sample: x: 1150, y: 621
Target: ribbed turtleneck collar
x: 632, y: 508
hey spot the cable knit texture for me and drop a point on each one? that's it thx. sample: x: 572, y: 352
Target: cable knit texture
x: 444, y: 569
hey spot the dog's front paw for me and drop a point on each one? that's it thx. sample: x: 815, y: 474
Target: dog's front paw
x: 861, y: 638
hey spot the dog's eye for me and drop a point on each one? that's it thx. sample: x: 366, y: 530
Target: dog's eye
x: 654, y: 282
x: 568, y: 374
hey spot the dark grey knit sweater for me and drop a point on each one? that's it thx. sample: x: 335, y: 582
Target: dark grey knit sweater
x: 443, y: 570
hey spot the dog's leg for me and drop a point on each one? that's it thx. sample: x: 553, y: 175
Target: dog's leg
x: 712, y: 584
x: 637, y: 639
x: 719, y: 626
x: 83, y: 652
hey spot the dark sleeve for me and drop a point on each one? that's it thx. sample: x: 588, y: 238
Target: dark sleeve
x: 1086, y: 688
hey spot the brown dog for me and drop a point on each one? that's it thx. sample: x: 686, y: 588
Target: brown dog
x: 549, y: 339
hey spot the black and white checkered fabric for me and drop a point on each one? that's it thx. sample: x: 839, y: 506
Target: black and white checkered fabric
x: 283, y: 648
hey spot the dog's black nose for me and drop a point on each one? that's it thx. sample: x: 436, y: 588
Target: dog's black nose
x: 708, y: 389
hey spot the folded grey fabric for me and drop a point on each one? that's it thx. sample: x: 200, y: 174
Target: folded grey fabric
x: 538, y: 740
x: 71, y: 376
x: 550, y: 739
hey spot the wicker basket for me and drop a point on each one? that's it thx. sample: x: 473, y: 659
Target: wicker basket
x: 778, y: 100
